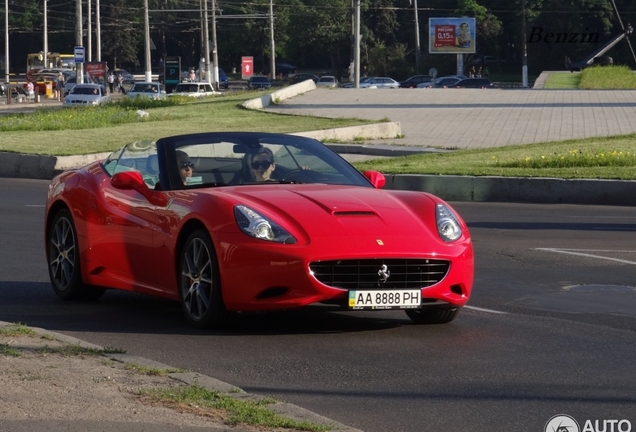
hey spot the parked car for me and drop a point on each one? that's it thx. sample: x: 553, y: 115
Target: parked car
x: 413, y: 81
x: 328, y: 81
x: 443, y: 82
x: 475, y: 83
x: 152, y: 90
x: 320, y: 232
x: 71, y: 81
x: 381, y: 83
x: 258, y: 82
x: 194, y: 89
x: 303, y: 77
x: 363, y: 80
x: 86, y: 95
x: 284, y: 69
x: 224, y: 83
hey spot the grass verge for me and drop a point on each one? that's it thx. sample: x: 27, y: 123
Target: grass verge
x: 195, y: 398
x: 64, y: 132
x: 592, y: 158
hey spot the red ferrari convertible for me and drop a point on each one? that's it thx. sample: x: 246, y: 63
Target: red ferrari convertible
x: 239, y: 222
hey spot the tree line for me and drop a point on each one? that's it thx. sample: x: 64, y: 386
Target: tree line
x: 318, y: 34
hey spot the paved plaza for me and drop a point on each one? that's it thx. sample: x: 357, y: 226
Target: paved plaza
x: 477, y: 118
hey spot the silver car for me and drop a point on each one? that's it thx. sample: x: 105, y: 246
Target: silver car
x: 381, y: 83
x: 327, y: 81
x: 84, y: 95
x: 152, y: 90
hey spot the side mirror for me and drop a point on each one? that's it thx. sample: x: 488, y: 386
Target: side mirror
x: 376, y: 178
x: 132, y: 180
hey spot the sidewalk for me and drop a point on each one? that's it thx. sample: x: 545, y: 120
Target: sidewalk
x: 44, y: 391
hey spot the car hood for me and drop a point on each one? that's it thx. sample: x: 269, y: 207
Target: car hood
x: 350, y: 214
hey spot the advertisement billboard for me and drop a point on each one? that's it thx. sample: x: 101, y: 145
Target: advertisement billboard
x: 451, y: 35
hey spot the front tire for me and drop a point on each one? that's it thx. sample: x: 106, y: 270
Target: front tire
x: 432, y: 315
x: 64, y: 260
x: 200, y: 283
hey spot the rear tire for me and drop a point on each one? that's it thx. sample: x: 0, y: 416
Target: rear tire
x: 432, y: 315
x: 64, y: 261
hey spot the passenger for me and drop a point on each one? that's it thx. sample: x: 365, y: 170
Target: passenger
x: 185, y: 166
x: 262, y: 165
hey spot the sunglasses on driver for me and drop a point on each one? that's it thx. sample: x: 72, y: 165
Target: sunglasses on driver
x: 186, y: 165
x: 265, y: 164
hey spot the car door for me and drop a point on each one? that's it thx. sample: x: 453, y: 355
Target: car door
x: 129, y: 223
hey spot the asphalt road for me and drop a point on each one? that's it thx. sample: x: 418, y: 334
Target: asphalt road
x: 557, y: 333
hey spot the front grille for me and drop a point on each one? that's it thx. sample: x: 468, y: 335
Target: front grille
x: 364, y: 273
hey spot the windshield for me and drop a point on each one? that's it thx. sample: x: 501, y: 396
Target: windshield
x: 187, y: 88
x: 259, y: 79
x: 85, y: 90
x: 253, y: 158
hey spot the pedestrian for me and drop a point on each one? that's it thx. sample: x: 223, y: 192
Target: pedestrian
x: 30, y: 91
x: 59, y: 86
x: 193, y: 76
x: 120, y: 82
x: 111, y: 82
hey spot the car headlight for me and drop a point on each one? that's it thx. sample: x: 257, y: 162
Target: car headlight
x: 447, y: 224
x: 256, y: 225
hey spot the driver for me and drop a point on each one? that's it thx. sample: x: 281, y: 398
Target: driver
x: 262, y: 165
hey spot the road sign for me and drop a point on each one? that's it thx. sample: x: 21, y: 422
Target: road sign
x: 79, y: 54
x: 247, y: 67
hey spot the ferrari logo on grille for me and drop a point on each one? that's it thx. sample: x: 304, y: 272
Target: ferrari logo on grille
x: 380, y: 242
x: 383, y: 274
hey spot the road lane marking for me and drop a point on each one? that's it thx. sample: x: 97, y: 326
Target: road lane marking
x: 486, y: 310
x: 580, y: 252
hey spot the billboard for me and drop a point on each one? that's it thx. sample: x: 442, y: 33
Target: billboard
x: 451, y: 35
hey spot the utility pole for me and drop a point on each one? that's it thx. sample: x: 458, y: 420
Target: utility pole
x: 98, y: 33
x: 45, y: 42
x: 147, y: 42
x: 272, y: 57
x: 418, y: 53
x: 215, y: 53
x: 6, y: 41
x: 356, y: 60
x: 206, y: 44
x: 524, y: 47
x: 79, y: 68
x: 89, y: 31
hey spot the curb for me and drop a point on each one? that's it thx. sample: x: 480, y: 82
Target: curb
x: 288, y: 410
x: 519, y: 189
